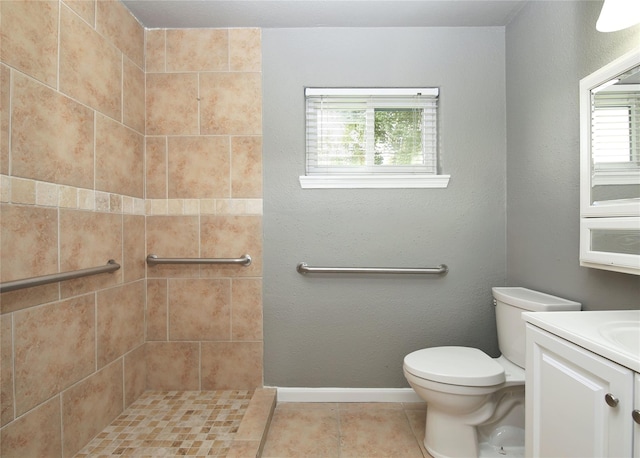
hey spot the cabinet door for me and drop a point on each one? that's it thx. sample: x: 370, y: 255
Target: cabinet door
x: 636, y: 425
x: 567, y: 413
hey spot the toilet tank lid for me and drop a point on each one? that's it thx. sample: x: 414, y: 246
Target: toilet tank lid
x: 534, y: 301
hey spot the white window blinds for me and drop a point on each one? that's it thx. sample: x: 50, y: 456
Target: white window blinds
x: 371, y: 131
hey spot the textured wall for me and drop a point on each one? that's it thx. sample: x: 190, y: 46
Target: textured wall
x: 543, y: 150
x: 354, y: 331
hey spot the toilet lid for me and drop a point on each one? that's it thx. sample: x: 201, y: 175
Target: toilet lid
x: 455, y: 365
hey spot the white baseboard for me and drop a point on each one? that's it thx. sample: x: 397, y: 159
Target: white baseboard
x: 288, y: 394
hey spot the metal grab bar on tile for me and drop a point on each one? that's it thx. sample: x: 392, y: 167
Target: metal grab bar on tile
x: 303, y: 268
x: 111, y: 266
x: 153, y: 260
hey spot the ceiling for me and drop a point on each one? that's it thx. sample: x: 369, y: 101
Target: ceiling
x: 323, y: 13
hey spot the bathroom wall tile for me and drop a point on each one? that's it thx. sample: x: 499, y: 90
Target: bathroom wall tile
x: 120, y: 27
x: 155, y: 50
x: 133, y: 96
x: 173, y: 237
x: 47, y: 194
x: 198, y: 167
x: 89, y: 239
x: 51, y: 135
x: 173, y: 366
x: 246, y: 167
x: 64, y: 335
x: 380, y: 431
x: 246, y: 309
x: 157, y: 309
x: 231, y: 103
x: 245, y: 51
x: 23, y: 191
x: 203, y: 50
x: 37, y: 434
x: 119, y: 158
x: 27, y: 252
x: 28, y: 297
x: 133, y: 254
x: 156, y: 167
x: 86, y: 9
x: 5, y: 87
x: 231, y: 365
x: 199, y: 309
x: 6, y: 370
x: 29, y: 38
x: 231, y: 237
x: 120, y: 323
x: 68, y: 197
x: 90, y: 406
x: 135, y: 375
x: 172, y: 104
x: 90, y: 67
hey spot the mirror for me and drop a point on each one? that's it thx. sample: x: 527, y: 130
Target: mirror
x: 615, y: 138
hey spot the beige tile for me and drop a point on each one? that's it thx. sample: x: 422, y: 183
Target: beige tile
x: 245, y: 51
x: 258, y: 415
x: 231, y: 103
x: 377, y: 432
x: 64, y: 335
x: 89, y: 239
x: 173, y: 365
x: 157, y: 309
x: 6, y: 370
x: 201, y: 50
x: 36, y: 434
x: 134, y: 256
x: 119, y: 158
x: 155, y: 51
x: 86, y: 9
x: 91, y: 405
x: 231, y: 237
x: 173, y: 237
x: 23, y: 191
x: 18, y: 235
x: 156, y: 167
x: 90, y: 67
x: 417, y: 420
x: 28, y: 297
x: 133, y: 96
x: 199, y: 309
x: 120, y: 322
x: 246, y: 167
x: 29, y: 38
x: 135, y: 375
x: 244, y: 449
x: 120, y: 27
x: 51, y: 135
x: 303, y: 432
x: 246, y: 309
x: 5, y: 86
x: 198, y: 167
x: 231, y: 365
x: 172, y: 104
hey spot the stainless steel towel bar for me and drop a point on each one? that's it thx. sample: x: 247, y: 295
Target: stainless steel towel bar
x: 111, y: 266
x: 303, y: 268
x: 153, y: 260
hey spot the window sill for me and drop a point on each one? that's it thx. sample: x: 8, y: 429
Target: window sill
x: 373, y: 181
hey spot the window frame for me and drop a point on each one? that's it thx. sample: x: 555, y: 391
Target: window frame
x: 373, y: 176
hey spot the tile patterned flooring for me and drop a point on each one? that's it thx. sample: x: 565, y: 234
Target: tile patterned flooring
x: 341, y: 430
x: 173, y: 423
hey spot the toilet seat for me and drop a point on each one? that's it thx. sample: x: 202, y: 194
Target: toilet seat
x: 464, y: 366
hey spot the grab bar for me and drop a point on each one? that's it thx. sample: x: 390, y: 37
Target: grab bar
x: 111, y: 266
x: 303, y: 268
x: 153, y: 260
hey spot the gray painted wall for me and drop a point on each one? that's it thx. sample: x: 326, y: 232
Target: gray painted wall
x: 347, y: 331
x: 550, y: 47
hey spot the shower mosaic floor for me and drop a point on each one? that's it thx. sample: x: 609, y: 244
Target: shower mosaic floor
x: 173, y: 423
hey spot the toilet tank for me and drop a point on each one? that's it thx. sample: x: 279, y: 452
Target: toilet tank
x: 510, y: 303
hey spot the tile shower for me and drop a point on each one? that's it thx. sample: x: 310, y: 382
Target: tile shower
x: 117, y: 142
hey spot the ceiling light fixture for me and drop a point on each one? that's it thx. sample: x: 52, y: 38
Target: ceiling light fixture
x: 618, y: 14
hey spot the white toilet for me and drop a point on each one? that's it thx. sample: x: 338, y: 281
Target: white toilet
x: 475, y: 403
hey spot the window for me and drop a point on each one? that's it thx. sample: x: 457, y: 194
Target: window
x: 372, y: 138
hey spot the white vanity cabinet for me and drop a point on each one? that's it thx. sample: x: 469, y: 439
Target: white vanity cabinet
x: 578, y: 404
x: 636, y: 419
